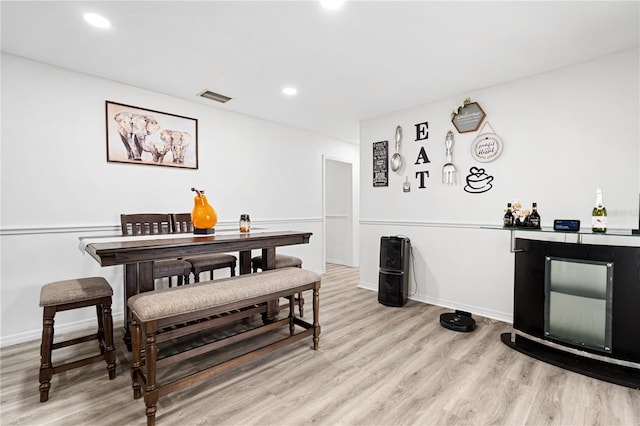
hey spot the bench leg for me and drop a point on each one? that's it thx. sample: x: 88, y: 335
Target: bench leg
x: 316, y: 322
x: 150, y: 390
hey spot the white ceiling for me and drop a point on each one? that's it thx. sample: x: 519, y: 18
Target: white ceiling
x: 367, y: 59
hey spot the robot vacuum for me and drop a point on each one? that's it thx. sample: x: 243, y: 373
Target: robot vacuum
x: 458, y: 321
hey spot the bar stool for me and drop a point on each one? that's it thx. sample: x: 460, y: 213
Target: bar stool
x: 72, y: 294
x: 282, y: 261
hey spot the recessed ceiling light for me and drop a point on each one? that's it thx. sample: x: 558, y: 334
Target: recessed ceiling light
x: 331, y: 4
x: 289, y: 91
x: 97, y: 20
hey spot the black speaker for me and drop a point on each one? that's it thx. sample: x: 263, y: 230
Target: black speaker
x: 392, y: 290
x: 393, y: 279
x: 393, y: 253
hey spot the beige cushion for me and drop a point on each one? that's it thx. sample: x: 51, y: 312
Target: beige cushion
x: 282, y: 261
x: 168, y: 302
x: 75, y: 290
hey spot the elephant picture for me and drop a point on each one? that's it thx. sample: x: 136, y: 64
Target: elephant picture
x: 141, y: 136
x: 133, y: 130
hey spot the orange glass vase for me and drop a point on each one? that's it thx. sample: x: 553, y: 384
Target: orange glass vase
x: 203, y: 216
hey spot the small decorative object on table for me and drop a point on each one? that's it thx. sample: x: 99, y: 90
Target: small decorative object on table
x: 203, y: 217
x: 245, y: 223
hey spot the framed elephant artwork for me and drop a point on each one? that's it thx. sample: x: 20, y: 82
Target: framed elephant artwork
x: 143, y: 136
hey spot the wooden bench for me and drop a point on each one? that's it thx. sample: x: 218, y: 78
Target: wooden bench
x: 171, y: 313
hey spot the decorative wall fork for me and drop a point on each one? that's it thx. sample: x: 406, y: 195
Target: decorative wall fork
x: 449, y: 170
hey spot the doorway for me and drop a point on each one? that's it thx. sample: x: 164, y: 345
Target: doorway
x: 338, y: 202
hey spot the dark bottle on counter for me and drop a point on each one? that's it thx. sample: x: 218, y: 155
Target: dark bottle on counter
x: 534, y: 217
x: 507, y: 220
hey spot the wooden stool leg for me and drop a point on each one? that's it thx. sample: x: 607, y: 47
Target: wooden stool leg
x: 110, y: 352
x: 46, y: 368
x: 316, y: 322
x: 136, y: 363
x: 100, y: 315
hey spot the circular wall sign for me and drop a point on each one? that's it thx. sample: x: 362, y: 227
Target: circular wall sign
x: 486, y: 147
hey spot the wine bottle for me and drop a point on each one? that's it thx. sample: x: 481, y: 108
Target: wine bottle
x: 507, y: 220
x: 599, y: 214
x: 534, y: 217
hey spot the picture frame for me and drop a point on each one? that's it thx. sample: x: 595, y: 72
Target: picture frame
x: 468, y: 118
x: 144, y: 136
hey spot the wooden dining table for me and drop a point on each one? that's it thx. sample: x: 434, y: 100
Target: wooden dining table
x: 138, y: 255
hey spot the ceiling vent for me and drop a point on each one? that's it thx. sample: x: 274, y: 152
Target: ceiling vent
x: 215, y: 96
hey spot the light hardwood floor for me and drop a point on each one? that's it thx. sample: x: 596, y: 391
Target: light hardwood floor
x: 376, y: 365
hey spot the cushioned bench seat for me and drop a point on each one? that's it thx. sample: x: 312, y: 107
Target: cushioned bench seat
x: 210, y: 304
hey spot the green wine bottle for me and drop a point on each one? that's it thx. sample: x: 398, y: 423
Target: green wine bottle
x: 599, y: 214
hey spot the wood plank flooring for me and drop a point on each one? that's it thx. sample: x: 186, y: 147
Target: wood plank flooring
x: 376, y: 365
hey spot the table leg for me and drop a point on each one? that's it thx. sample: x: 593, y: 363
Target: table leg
x: 268, y: 258
x: 130, y: 289
x: 145, y: 277
x: 245, y: 262
x: 269, y: 262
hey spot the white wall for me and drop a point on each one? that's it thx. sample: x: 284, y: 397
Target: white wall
x: 565, y: 132
x: 57, y: 184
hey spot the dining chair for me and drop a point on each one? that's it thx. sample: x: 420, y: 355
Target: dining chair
x: 157, y: 223
x: 181, y: 223
x: 282, y: 261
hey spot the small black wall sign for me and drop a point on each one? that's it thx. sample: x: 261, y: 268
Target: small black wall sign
x: 381, y: 163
